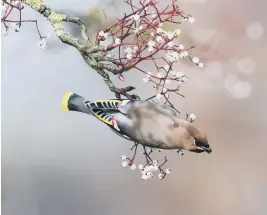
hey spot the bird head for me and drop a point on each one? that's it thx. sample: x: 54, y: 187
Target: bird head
x: 199, y: 138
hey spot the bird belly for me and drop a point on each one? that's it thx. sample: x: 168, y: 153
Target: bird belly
x: 146, y: 131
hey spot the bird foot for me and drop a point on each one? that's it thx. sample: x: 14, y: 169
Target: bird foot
x: 124, y: 92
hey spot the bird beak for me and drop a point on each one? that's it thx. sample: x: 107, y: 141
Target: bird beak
x: 208, y: 150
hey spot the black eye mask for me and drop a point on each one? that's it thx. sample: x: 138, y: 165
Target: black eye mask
x: 200, y: 144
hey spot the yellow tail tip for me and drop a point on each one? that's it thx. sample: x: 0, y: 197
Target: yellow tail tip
x: 65, y: 100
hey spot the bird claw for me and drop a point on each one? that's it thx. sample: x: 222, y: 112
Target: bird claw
x: 118, y: 95
x: 124, y: 92
x: 135, y: 97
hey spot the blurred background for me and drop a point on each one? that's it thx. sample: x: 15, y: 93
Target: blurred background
x: 56, y: 162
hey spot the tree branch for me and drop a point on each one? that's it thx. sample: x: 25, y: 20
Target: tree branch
x: 55, y: 19
x: 80, y: 23
x: 136, y: 38
x: 85, y: 47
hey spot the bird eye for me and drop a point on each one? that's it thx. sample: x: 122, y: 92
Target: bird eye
x: 200, y: 144
x: 197, y: 142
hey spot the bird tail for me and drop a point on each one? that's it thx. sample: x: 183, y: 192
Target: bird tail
x: 74, y: 102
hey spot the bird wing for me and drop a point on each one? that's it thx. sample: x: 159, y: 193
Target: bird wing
x: 102, y: 116
x: 104, y: 104
x: 108, y: 119
x: 103, y: 110
x: 113, y: 104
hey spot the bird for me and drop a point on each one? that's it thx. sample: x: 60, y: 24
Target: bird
x: 147, y: 123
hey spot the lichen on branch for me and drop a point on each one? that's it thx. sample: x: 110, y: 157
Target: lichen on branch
x: 55, y: 20
x: 34, y: 4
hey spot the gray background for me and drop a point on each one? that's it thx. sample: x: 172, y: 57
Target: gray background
x: 61, y: 163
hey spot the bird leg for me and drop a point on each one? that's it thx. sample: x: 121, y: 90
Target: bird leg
x: 124, y: 92
x: 135, y: 146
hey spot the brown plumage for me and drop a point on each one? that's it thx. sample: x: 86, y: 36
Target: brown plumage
x: 148, y: 123
x: 158, y: 126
